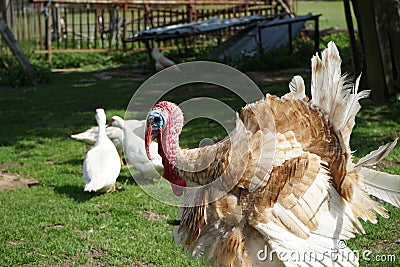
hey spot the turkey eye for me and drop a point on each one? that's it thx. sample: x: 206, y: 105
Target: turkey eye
x: 156, y: 119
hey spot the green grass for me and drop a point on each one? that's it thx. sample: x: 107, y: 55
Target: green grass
x: 57, y: 223
x: 332, y: 13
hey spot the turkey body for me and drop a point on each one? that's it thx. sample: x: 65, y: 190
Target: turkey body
x: 281, y: 189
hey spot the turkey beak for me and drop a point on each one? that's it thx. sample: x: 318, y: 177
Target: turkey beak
x: 155, y: 123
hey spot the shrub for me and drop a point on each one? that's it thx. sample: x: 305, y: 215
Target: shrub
x: 281, y: 58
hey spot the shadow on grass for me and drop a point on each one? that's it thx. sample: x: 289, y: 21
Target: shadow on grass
x: 73, y: 162
x: 126, y: 179
x: 65, y: 104
x: 74, y: 192
x: 77, y: 194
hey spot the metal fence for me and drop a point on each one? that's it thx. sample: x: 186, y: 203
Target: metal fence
x: 55, y: 26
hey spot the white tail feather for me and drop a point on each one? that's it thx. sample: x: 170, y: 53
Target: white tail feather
x: 297, y: 89
x: 382, y: 185
x: 326, y: 79
x: 377, y: 155
x: 331, y: 93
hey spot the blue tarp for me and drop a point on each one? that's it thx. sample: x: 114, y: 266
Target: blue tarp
x: 274, y: 33
x: 201, y: 26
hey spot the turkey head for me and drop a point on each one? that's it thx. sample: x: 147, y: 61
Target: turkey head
x: 164, y: 124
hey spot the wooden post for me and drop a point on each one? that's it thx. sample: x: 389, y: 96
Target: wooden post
x: 48, y: 30
x: 6, y: 13
x: 290, y: 38
x: 124, y: 27
x: 55, y: 22
x: 148, y: 16
x: 374, y: 70
x: 151, y: 59
x: 260, y: 45
x: 350, y: 28
x: 316, y: 35
x: 17, y: 52
x: 39, y: 14
x: 113, y: 24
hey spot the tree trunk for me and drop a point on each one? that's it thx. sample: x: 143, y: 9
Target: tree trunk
x: 19, y: 55
x: 379, y: 28
x: 353, y: 44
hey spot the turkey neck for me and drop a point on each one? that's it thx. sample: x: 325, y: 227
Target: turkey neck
x: 168, y: 146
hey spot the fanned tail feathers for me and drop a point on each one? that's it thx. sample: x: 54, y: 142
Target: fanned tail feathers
x: 340, y: 101
x: 331, y: 93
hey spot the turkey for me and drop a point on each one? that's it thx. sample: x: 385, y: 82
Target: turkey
x: 161, y: 61
x: 134, y: 148
x: 102, y: 165
x: 281, y: 189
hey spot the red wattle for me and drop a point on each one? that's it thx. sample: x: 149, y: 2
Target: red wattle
x: 177, y: 183
x: 170, y: 173
x: 147, y: 140
x: 177, y: 190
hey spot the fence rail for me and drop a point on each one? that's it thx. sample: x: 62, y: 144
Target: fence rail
x: 58, y: 26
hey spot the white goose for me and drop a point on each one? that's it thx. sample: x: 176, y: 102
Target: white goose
x: 115, y: 134
x: 101, y: 166
x: 162, y: 62
x: 90, y: 137
x: 134, y: 149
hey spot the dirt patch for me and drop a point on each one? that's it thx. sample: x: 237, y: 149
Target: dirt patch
x: 153, y: 217
x: 10, y: 164
x: 275, y: 76
x: 386, y: 163
x: 143, y: 265
x: 16, y: 242
x: 55, y: 225
x: 96, y: 253
x: 142, y: 74
x: 5, y: 87
x: 377, y: 117
x: 385, y: 246
x: 127, y: 75
x: 94, y: 256
x: 12, y: 180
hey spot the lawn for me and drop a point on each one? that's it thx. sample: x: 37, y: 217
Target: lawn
x: 57, y: 224
x: 332, y: 13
